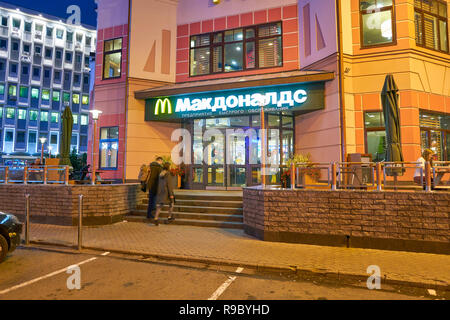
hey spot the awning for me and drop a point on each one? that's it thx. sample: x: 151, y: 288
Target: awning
x: 268, y: 79
x: 295, y: 91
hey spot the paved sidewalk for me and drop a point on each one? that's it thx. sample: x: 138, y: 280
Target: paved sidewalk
x: 235, y: 247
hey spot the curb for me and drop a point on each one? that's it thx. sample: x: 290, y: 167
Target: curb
x: 293, y: 270
x: 265, y: 268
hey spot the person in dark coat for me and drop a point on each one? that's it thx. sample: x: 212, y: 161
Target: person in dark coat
x: 152, y: 185
x: 165, y: 195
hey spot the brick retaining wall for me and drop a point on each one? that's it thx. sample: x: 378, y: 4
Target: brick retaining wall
x: 410, y: 221
x: 55, y: 204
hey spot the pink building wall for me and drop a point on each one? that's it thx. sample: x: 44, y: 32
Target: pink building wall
x: 110, y: 95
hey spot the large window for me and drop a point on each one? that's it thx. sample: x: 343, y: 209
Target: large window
x: 377, y: 22
x: 375, y: 135
x: 235, y: 50
x: 435, y: 134
x: 109, y: 147
x: 112, y: 60
x: 431, y: 24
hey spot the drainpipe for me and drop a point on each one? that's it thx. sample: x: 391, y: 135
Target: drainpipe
x: 341, y: 78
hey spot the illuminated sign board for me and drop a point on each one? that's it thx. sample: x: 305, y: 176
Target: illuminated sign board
x: 299, y: 98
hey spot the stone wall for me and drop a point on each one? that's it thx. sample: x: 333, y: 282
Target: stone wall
x: 410, y: 221
x: 56, y: 204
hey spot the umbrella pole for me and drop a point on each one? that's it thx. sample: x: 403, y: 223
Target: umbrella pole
x: 395, y: 182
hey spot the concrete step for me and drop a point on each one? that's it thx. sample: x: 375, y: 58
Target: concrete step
x: 179, y: 208
x: 209, y: 203
x: 205, y: 197
x: 195, y: 216
x: 193, y: 222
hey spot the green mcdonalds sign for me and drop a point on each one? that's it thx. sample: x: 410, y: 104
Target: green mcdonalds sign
x: 298, y: 98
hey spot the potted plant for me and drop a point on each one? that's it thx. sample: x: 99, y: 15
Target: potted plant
x: 307, y: 173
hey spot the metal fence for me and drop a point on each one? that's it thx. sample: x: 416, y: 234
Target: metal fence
x: 368, y: 175
x: 34, y: 175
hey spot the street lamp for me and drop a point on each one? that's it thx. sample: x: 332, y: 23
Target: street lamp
x: 42, y: 140
x: 95, y: 116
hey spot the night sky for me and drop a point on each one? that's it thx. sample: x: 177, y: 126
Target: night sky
x: 58, y: 8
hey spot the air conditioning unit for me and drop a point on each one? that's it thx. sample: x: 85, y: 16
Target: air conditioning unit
x: 77, y: 46
x: 26, y: 57
x: 38, y: 54
x: 87, y: 69
x: 15, y: 32
x: 38, y: 35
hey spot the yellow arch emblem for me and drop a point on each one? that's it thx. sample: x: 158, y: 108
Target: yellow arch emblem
x: 163, y: 106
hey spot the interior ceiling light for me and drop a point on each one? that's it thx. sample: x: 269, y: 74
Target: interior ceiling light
x: 216, y: 1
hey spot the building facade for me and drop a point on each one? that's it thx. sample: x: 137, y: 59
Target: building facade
x: 320, y: 66
x: 45, y: 65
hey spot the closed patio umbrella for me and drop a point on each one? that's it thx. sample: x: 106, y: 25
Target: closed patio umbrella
x: 66, y: 137
x: 391, y: 111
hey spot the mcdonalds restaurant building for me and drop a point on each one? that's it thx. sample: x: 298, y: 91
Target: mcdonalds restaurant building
x: 319, y: 65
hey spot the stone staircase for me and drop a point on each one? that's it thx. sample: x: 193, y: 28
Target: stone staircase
x: 219, y: 209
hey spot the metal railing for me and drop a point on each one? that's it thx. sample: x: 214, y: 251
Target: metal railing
x: 34, y: 175
x: 368, y: 175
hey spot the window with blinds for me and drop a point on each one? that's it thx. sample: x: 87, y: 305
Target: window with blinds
x: 431, y: 24
x: 435, y: 134
x: 236, y: 50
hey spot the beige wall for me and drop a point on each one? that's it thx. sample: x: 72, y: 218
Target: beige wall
x: 153, y: 40
x: 145, y: 140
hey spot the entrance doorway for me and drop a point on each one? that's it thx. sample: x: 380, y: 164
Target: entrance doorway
x: 227, y: 151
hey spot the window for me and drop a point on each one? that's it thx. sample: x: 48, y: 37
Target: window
x: 435, y: 134
x: 59, y: 33
x: 68, y: 57
x: 235, y: 50
x: 54, y: 117
x: 15, y: 46
x: 75, y: 119
x: 36, y: 72
x: 37, y: 49
x: 22, y: 114
x: 33, y: 115
x: 20, y: 137
x: 25, y: 70
x: 45, y: 95
x: 84, y: 120
x: 56, y: 96
x: 86, y: 62
x: 88, y: 40
x: 23, y: 92
x: 377, y: 22
x: 13, y: 70
x: 16, y: 23
x: 58, y: 54
x: 35, y: 93
x: 57, y: 77
x: 69, y: 36
x: 66, y: 97
x: 49, y: 32
x: 28, y: 26
x: 1, y: 113
x: 431, y: 28
x: 2, y: 89
x: 3, y: 44
x: 112, y: 60
x: 76, y: 98
x: 26, y: 48
x: 12, y: 90
x: 5, y: 21
x: 44, y: 116
x: 109, y: 147
x: 48, y: 53
x: 39, y: 27
x: 79, y: 37
x: 85, y: 100
x: 10, y: 113
x: 375, y: 135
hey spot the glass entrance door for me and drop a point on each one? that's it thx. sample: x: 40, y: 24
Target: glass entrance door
x: 227, y: 151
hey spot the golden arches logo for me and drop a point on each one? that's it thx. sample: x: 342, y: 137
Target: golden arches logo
x: 163, y: 106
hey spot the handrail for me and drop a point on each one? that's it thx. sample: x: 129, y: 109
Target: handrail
x: 28, y: 174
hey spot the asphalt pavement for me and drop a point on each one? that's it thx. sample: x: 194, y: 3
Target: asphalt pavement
x: 40, y: 273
